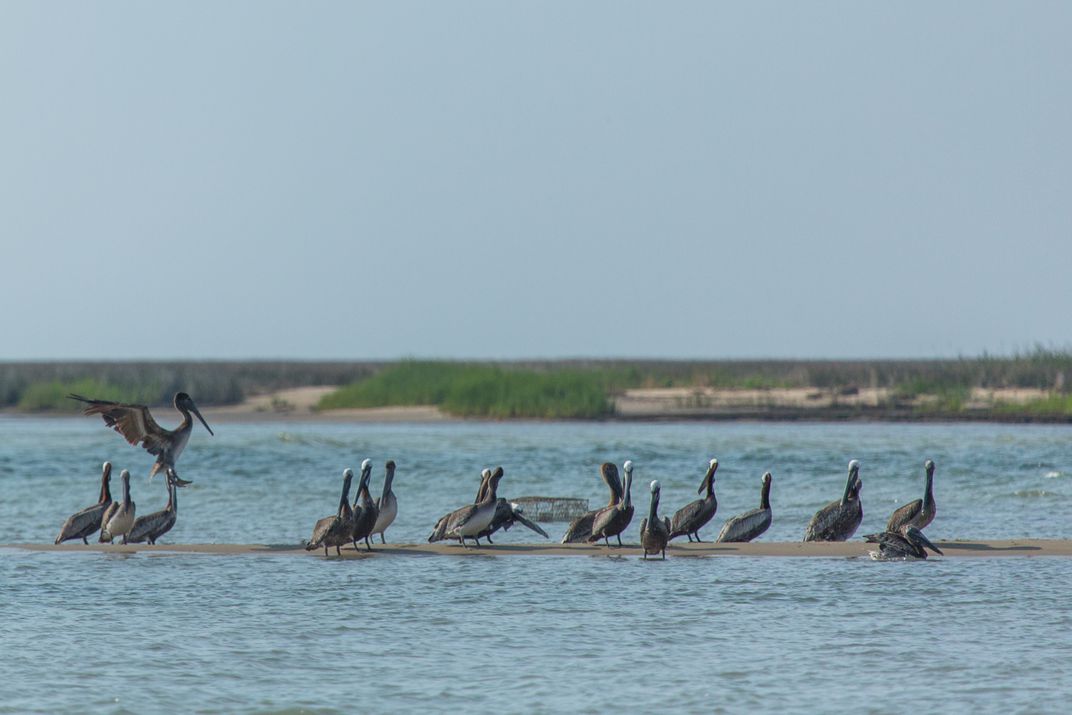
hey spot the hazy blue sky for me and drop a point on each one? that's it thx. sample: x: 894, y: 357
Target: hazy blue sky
x: 534, y: 179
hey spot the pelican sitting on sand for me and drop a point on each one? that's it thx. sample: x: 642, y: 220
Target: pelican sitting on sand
x: 365, y: 511
x: 613, y: 520
x: 152, y: 527
x: 751, y: 524
x: 88, y: 521
x: 138, y: 427
x: 838, y: 520
x: 906, y: 545
x: 654, y: 533
x: 477, y: 517
x: 918, y: 513
x: 581, y: 528
x: 335, y: 530
x: 118, y: 518
x: 689, y: 519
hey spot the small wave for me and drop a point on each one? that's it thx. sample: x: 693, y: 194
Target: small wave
x: 1036, y: 494
x: 1054, y: 474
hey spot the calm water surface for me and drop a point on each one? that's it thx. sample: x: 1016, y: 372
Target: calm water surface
x: 255, y: 633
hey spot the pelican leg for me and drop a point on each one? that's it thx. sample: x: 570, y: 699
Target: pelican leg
x: 698, y: 539
x: 477, y: 539
x: 85, y: 541
x: 124, y: 539
x: 355, y: 544
x: 383, y: 540
x: 645, y: 557
x: 338, y: 551
x: 368, y: 546
x: 619, y: 539
x: 325, y: 549
x: 690, y: 537
x: 664, y: 553
x: 488, y: 537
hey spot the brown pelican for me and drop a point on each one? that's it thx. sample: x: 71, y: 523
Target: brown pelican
x: 654, y: 533
x: 918, y: 513
x: 152, y: 527
x: 581, y: 528
x: 387, y: 504
x: 335, y: 530
x: 119, y: 516
x: 907, y: 544
x: 365, y: 511
x: 448, y: 521
x: 507, y: 514
x: 478, y: 517
x: 612, y: 520
x: 138, y: 426
x: 689, y: 519
x: 747, y: 526
x: 838, y: 520
x: 88, y: 521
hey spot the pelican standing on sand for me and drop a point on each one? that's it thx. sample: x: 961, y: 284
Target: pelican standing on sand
x: 613, y: 520
x: 838, y: 520
x: 88, y: 521
x: 906, y: 545
x: 447, y: 522
x: 654, y: 533
x: 152, y: 527
x: 119, y: 516
x: 747, y: 526
x: 918, y: 513
x: 581, y: 528
x: 478, y: 517
x: 138, y: 426
x: 335, y: 530
x: 689, y: 519
x: 365, y: 511
x: 387, y: 504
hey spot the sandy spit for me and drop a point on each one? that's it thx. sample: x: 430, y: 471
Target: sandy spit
x: 848, y: 549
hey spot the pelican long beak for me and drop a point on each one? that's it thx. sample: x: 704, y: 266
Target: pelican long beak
x: 928, y: 543
x: 193, y: 408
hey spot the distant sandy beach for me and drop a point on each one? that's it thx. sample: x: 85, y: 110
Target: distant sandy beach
x: 847, y: 549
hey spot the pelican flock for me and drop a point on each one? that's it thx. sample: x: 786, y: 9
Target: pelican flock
x: 488, y: 513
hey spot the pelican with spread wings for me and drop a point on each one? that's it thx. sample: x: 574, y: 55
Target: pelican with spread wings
x: 138, y: 427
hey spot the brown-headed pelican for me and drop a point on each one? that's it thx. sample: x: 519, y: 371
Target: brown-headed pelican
x: 152, y: 527
x: 335, y: 530
x: 747, y: 526
x: 918, y: 513
x: 689, y: 519
x: 448, y: 521
x: 88, y: 521
x: 387, y: 504
x: 506, y: 515
x: 838, y: 520
x: 581, y: 528
x: 478, y: 517
x: 906, y: 545
x: 613, y: 520
x: 119, y: 516
x: 365, y: 511
x: 138, y: 426
x: 654, y: 533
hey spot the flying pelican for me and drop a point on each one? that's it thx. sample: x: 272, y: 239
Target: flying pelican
x: 478, y: 517
x: 747, y: 526
x: 387, y: 503
x: 838, y: 520
x: 119, y: 516
x: 906, y: 545
x: 581, y: 528
x: 335, y: 530
x: 654, y: 533
x: 88, y: 521
x: 152, y: 527
x: 138, y: 426
x: 365, y: 511
x: 689, y: 519
x: 612, y: 520
x: 448, y: 521
x: 918, y: 513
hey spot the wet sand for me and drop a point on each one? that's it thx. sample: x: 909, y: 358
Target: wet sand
x: 848, y: 549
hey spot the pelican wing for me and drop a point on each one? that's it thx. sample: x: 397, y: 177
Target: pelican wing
x: 745, y: 527
x: 905, y: 515
x: 580, y: 528
x: 532, y: 525
x: 132, y: 421
x: 321, y: 530
x: 686, y: 517
x: 152, y: 526
x: 82, y: 524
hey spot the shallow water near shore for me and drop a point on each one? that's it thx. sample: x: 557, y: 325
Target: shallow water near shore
x: 161, y: 632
